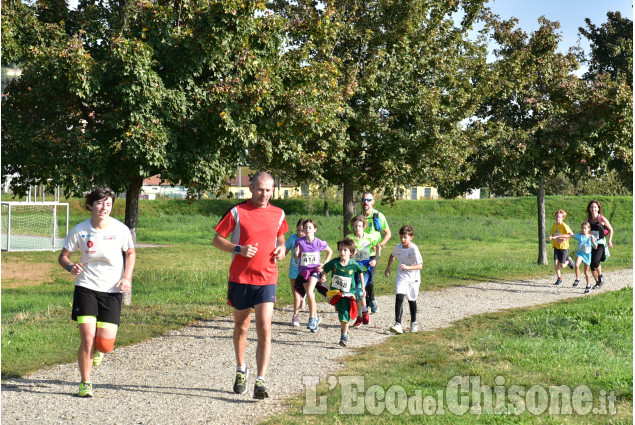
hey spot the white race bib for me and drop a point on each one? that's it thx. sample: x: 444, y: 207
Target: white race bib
x: 596, y: 235
x: 309, y: 259
x: 362, y: 254
x: 342, y: 283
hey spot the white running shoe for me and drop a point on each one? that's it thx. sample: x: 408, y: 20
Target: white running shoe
x: 396, y: 328
x: 414, y: 327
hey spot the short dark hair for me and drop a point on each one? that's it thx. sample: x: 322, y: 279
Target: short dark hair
x: 346, y: 243
x: 300, y: 223
x: 407, y: 230
x: 98, y: 194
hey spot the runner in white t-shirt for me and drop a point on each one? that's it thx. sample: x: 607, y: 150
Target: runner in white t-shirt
x: 101, y: 277
x: 408, y: 277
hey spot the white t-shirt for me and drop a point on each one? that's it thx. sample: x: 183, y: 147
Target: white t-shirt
x: 408, y: 281
x: 102, y: 257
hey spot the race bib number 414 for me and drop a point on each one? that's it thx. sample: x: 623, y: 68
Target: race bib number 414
x: 309, y: 258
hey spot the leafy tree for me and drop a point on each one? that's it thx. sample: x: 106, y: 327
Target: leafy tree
x: 397, y: 79
x: 611, y: 48
x: 538, y: 119
x: 21, y: 29
x: 123, y: 90
x: 611, y: 57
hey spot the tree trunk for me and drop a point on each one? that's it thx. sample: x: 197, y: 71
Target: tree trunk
x: 132, y: 205
x: 326, y: 208
x: 132, y: 217
x: 542, y: 231
x: 349, y: 207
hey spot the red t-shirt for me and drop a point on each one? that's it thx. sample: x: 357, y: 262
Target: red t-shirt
x: 249, y: 225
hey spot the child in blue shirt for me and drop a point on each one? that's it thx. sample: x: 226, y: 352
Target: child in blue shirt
x: 586, y: 242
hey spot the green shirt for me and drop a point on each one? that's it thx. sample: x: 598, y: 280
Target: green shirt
x: 370, y: 228
x: 343, y: 276
x: 365, y: 247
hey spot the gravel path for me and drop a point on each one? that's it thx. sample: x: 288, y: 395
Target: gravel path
x: 186, y: 376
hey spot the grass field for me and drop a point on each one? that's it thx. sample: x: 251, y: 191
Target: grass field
x: 461, y: 241
x: 571, y: 345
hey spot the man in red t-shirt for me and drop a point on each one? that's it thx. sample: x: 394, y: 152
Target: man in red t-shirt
x: 257, y: 231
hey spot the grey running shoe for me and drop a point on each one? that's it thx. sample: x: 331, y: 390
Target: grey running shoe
x: 570, y: 263
x: 317, y: 324
x: 260, y: 390
x: 344, y: 340
x: 311, y: 323
x: 587, y: 289
x: 240, y: 384
x: 373, y: 307
x: 558, y: 282
x: 576, y: 283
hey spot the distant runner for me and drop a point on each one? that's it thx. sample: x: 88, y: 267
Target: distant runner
x: 376, y: 225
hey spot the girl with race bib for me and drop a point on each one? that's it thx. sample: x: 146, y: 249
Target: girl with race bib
x: 298, y: 302
x: 307, y: 251
x: 347, y: 285
x: 586, y: 244
x: 365, y: 254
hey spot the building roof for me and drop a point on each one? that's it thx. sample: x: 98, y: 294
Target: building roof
x: 156, y: 181
x: 244, y: 181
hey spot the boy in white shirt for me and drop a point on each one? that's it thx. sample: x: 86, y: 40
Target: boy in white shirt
x: 408, y: 277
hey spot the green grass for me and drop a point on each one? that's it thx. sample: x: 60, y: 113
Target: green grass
x: 460, y: 241
x: 587, y: 341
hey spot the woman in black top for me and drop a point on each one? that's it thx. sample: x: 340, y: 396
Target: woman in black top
x: 602, y: 230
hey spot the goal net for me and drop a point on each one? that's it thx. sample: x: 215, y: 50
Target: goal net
x: 33, y: 226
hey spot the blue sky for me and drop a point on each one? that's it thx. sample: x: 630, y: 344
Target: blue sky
x: 570, y: 14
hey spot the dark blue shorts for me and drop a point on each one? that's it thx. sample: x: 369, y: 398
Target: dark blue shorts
x: 242, y: 296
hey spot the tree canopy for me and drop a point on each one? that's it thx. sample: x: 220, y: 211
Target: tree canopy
x: 538, y: 119
x: 125, y: 90
x: 611, y: 48
x: 401, y: 77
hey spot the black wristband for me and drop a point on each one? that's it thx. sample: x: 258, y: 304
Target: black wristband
x: 69, y: 267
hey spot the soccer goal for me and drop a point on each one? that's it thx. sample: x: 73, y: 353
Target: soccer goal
x: 33, y: 226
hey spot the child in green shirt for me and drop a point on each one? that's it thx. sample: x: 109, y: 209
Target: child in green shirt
x: 344, y: 291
